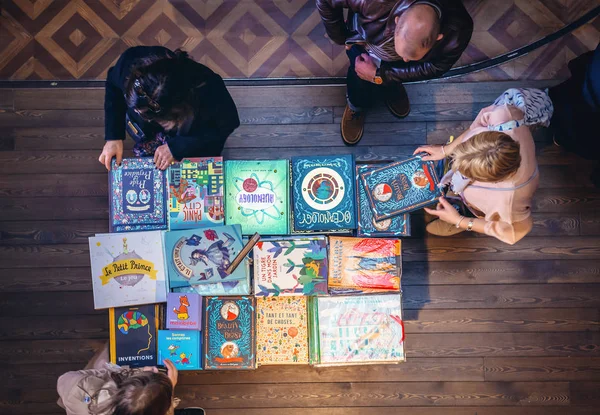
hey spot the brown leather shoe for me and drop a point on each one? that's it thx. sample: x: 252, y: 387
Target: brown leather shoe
x: 397, y: 101
x: 353, y: 125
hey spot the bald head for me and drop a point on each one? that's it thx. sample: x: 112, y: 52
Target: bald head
x: 417, y: 30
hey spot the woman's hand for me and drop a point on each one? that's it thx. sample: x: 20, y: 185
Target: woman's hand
x: 163, y: 157
x: 172, y: 372
x: 435, y: 152
x: 112, y: 148
x: 445, y: 211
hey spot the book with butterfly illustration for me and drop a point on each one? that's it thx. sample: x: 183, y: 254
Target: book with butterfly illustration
x: 364, y: 265
x: 202, y: 256
x: 182, y: 347
x: 367, y: 225
x: 229, y: 333
x: 257, y: 196
x: 137, y: 196
x: 292, y: 266
x: 128, y: 269
x: 351, y: 330
x: 184, y: 311
x: 281, y: 331
x: 401, y: 187
x: 133, y: 333
x: 196, y: 193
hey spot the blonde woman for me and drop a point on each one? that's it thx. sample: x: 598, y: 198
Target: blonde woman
x: 493, y: 168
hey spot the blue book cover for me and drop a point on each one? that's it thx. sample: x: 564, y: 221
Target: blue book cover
x: 367, y: 225
x: 229, y: 333
x: 201, y: 256
x: 401, y: 187
x: 323, y: 194
x: 182, y: 347
x: 138, y: 196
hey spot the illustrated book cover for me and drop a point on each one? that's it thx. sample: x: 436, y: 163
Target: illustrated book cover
x: 182, y: 347
x: 257, y: 196
x: 367, y: 225
x: 137, y: 196
x: 196, y: 193
x: 201, y: 256
x: 133, y: 333
x: 184, y: 311
x: 323, y: 194
x: 281, y: 331
x: 401, y: 187
x: 229, y: 333
x: 287, y: 267
x: 362, y: 265
x: 349, y: 330
x: 128, y: 269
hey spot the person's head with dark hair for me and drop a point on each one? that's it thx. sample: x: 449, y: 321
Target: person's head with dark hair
x: 159, y: 90
x: 417, y: 30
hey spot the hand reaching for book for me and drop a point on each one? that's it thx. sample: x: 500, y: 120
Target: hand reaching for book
x: 445, y: 211
x: 434, y: 152
x: 172, y: 372
x: 112, y: 148
x: 163, y: 157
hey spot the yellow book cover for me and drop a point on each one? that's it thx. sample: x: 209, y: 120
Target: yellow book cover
x: 282, y: 332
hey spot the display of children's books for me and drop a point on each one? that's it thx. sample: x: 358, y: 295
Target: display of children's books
x: 182, y: 347
x: 221, y: 288
x: 282, y: 332
x: 128, y: 269
x: 323, y: 194
x: 367, y: 225
x: 184, y: 311
x: 257, y: 196
x: 133, y: 332
x: 362, y: 265
x: 348, y: 330
x: 287, y: 267
x: 196, y: 193
x: 201, y: 256
x: 229, y: 333
x: 401, y: 187
x: 137, y: 196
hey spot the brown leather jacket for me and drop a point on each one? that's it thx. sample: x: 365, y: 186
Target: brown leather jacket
x: 375, y: 22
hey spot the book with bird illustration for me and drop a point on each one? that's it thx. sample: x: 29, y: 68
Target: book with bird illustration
x: 133, y: 333
x: 229, y: 333
x: 281, y: 331
x: 137, y: 196
x: 184, y: 311
x: 196, y: 193
x: 292, y: 266
x: 401, y: 187
x: 182, y: 347
x: 257, y: 196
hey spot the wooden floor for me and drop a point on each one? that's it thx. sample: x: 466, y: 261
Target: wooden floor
x: 491, y: 329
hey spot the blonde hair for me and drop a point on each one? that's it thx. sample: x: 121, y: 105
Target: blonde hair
x: 490, y: 156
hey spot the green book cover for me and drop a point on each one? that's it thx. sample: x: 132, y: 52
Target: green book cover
x: 257, y: 196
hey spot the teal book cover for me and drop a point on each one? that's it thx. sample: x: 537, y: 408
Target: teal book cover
x: 182, y: 347
x: 257, y: 196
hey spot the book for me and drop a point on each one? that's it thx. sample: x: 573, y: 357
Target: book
x: 362, y: 265
x: 229, y: 333
x: 196, y: 193
x: 323, y: 194
x: 281, y: 331
x: 401, y: 187
x: 349, y: 330
x: 133, y: 332
x: 367, y: 225
x: 137, y: 196
x: 128, y: 269
x: 294, y: 266
x: 201, y: 256
x: 184, y: 311
x: 182, y: 347
x: 257, y: 196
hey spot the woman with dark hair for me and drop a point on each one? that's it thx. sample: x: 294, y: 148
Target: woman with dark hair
x: 172, y: 106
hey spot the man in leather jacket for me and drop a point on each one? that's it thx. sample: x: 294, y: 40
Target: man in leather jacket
x: 390, y: 42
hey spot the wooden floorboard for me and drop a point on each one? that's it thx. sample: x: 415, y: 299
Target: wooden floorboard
x: 492, y: 329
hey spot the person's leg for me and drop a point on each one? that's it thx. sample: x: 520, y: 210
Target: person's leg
x: 396, y: 99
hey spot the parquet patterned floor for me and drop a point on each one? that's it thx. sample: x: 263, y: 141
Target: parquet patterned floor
x: 81, y: 39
